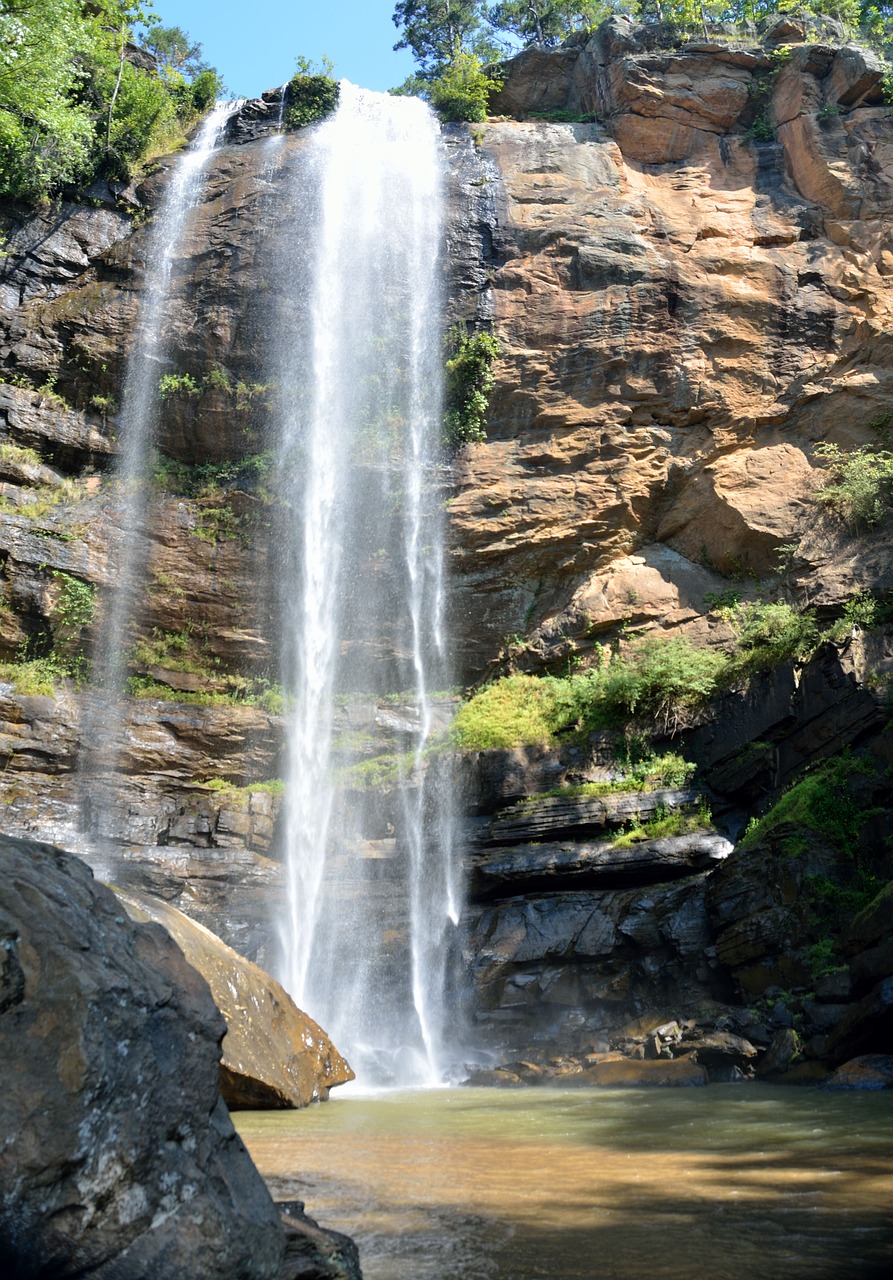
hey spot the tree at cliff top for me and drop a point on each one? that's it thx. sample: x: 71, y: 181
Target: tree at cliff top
x: 432, y: 29
x: 76, y: 99
x: 437, y: 29
x: 547, y: 22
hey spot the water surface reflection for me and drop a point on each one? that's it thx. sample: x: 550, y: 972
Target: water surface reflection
x: 720, y: 1184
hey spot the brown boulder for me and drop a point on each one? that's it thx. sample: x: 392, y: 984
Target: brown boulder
x: 273, y: 1055
x: 736, y: 512
x: 627, y: 1074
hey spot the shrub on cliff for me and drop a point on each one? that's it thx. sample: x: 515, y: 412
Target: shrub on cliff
x: 770, y: 633
x: 311, y: 94
x: 462, y: 90
x: 469, y: 382
x: 859, y: 488
x: 660, y: 683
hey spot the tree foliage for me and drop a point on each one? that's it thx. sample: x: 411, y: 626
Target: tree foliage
x: 547, y: 22
x: 435, y: 30
x: 462, y: 91
x: 77, y: 100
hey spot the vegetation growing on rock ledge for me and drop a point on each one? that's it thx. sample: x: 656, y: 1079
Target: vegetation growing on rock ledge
x: 658, y: 684
x: 469, y: 382
x: 311, y: 94
x: 834, y: 802
x: 859, y: 488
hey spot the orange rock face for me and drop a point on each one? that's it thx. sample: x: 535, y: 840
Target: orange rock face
x: 684, y: 313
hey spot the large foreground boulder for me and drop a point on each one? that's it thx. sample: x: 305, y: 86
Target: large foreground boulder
x: 118, y: 1156
x: 273, y: 1054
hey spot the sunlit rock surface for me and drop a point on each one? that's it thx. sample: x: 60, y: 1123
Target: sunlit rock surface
x: 273, y: 1055
x: 684, y: 312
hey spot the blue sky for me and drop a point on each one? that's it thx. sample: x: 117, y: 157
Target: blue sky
x: 254, y: 44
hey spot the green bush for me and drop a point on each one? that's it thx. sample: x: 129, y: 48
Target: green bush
x: 665, y: 823
x: 859, y: 488
x: 311, y: 94
x: 178, y: 384
x: 661, y: 682
x: 73, y: 614
x: 770, y: 633
x: 462, y: 90
x: 821, y: 801
x: 518, y: 709
x: 469, y: 382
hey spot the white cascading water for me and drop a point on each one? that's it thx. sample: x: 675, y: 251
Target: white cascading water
x: 369, y: 921
x: 103, y: 721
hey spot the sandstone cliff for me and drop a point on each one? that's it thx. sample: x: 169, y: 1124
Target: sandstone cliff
x: 685, y: 311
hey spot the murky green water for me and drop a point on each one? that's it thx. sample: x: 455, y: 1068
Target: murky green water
x: 714, y: 1184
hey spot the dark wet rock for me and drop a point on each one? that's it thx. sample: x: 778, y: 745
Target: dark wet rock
x: 760, y: 906
x: 833, y: 988
x: 494, y: 778
x: 47, y: 249
x: 866, y: 1028
x: 718, y: 1050
x: 526, y: 868
x: 805, y: 1072
x: 821, y: 1017
x: 869, y: 1071
x: 273, y: 1055
x: 562, y: 967
x: 873, y: 923
x: 312, y: 1253
x: 256, y: 118
x: 871, y: 965
x: 785, y: 720
x: 778, y: 1057
x: 119, y: 1154
x: 557, y: 816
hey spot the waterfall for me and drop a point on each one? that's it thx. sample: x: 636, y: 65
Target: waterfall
x: 371, y: 903
x: 104, y: 719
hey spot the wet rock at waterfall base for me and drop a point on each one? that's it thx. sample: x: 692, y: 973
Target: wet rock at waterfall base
x: 629, y: 1074
x: 273, y: 1054
x: 312, y: 1253
x: 871, y: 1071
x: 119, y: 1157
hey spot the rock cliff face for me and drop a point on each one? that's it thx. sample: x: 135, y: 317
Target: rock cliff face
x: 690, y: 283
x: 685, y: 312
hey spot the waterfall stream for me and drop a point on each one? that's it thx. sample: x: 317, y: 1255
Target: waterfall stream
x: 371, y: 896
x: 104, y: 719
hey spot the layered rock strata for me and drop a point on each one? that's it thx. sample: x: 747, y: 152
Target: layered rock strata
x: 687, y: 305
